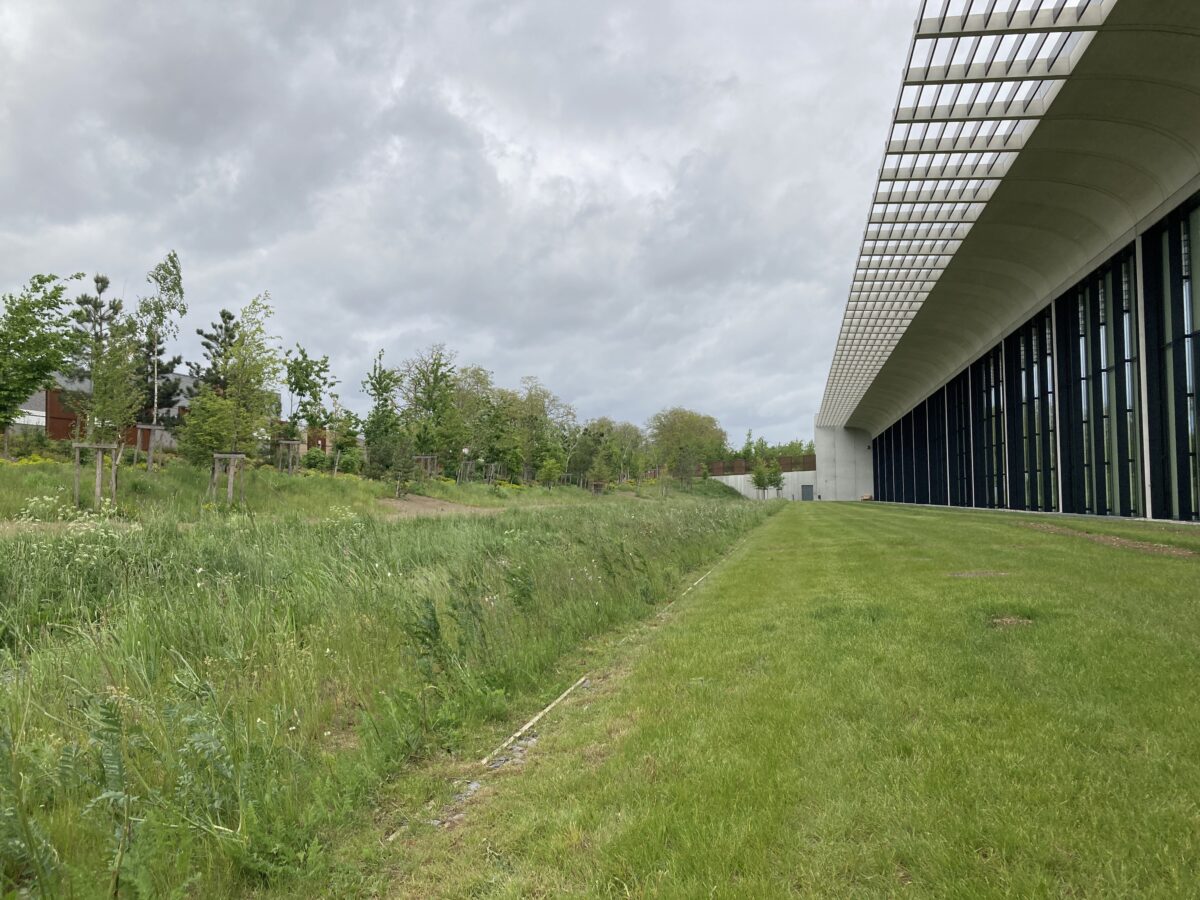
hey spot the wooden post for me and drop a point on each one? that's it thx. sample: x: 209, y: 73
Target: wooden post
x: 99, y: 476
x: 112, y: 475
x: 77, y: 464
x: 230, y: 466
x: 149, y: 455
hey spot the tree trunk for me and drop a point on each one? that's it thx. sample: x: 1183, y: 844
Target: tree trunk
x: 154, y: 410
x: 112, y: 483
x: 99, y: 477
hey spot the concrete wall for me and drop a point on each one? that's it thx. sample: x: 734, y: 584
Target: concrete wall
x: 844, y: 464
x: 792, y: 483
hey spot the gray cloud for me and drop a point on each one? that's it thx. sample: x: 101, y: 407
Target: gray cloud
x: 644, y: 204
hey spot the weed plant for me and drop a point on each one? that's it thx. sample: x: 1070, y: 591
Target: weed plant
x: 191, y: 699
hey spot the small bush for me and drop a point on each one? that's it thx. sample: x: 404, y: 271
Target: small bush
x: 350, y: 462
x: 315, y: 458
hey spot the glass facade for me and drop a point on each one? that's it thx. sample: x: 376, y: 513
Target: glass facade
x: 1029, y: 364
x: 1064, y: 414
x: 988, y: 427
x: 1171, y: 262
x: 1098, y: 370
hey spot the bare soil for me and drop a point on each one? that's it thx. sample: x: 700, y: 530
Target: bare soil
x: 1113, y: 541
x: 1010, y: 622
x: 415, y: 506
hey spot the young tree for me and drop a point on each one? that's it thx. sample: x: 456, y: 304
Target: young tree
x: 762, y: 449
x: 507, y: 443
x: 587, y: 448
x: 428, y: 387
x: 105, y: 360
x: 389, y: 448
x: 309, y: 380
x: 625, y: 449
x: 600, y: 469
x: 158, y: 317
x: 550, y: 471
x: 117, y: 396
x: 685, y: 440
x: 342, y: 432
x: 35, y: 341
x: 217, y: 345
x: 761, y: 478
x: 475, y: 412
x: 160, y: 390
x: 543, y: 425
x: 775, y: 476
x: 235, y: 416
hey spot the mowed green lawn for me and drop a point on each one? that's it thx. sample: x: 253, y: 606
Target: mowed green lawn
x: 866, y: 700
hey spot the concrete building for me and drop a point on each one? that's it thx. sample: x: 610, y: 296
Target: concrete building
x: 796, y: 486
x: 1022, y: 327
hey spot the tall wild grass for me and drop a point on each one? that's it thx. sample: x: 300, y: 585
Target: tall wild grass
x: 189, y: 701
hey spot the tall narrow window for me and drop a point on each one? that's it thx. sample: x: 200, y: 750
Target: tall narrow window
x: 1172, y: 326
x: 1097, y: 366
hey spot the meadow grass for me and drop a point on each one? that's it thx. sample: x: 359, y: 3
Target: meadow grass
x: 43, y: 487
x: 507, y: 495
x: 192, y: 700
x: 177, y: 491
x: 864, y: 701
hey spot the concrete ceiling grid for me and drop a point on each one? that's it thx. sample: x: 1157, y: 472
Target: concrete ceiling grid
x: 1029, y: 135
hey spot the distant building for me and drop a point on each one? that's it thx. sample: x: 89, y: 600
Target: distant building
x: 46, y: 409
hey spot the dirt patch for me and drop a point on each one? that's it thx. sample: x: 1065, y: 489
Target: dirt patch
x: 1010, y: 622
x: 1110, y: 540
x: 416, y: 506
x: 983, y: 574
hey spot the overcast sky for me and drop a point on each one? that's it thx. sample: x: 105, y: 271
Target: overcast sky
x: 645, y: 203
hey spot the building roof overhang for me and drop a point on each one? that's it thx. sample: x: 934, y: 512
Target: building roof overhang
x: 1029, y: 137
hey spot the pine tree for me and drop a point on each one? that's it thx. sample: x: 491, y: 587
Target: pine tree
x: 217, y: 345
x: 105, y: 362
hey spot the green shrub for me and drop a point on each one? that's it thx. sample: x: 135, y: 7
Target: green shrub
x: 315, y: 458
x: 350, y: 462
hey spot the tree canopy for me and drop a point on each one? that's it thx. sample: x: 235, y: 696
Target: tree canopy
x: 685, y: 440
x: 35, y: 341
x: 235, y: 415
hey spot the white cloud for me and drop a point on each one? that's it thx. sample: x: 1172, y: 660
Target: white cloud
x: 644, y: 204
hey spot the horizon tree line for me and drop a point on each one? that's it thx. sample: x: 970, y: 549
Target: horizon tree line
x: 428, y: 405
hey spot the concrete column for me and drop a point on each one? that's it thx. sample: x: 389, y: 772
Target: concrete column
x: 844, y: 469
